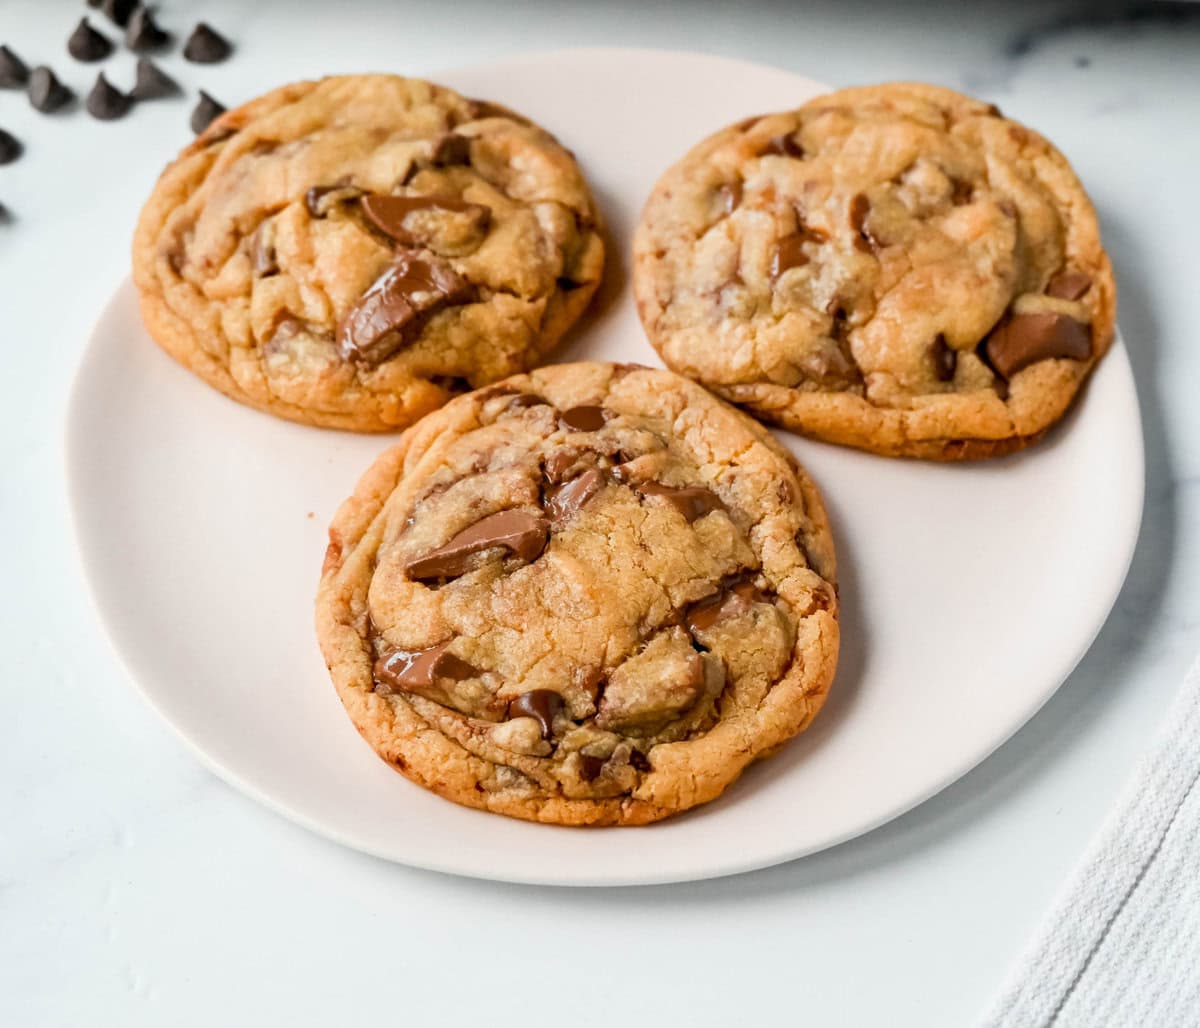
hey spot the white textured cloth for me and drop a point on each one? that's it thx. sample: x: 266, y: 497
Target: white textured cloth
x: 1122, y: 946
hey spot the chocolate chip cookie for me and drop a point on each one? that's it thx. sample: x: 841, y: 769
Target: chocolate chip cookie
x: 353, y: 252
x: 588, y: 595
x: 898, y: 268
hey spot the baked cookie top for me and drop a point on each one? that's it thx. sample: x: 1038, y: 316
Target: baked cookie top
x: 895, y: 267
x: 352, y: 252
x: 589, y: 595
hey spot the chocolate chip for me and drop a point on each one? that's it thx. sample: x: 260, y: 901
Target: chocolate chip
x: 590, y: 767
x: 10, y: 147
x: 960, y: 192
x: 13, y: 72
x: 46, y: 93
x: 783, y: 146
x: 587, y: 418
x: 564, y: 500
x: 391, y: 313
x: 143, y: 32
x: 118, y: 11
x: 205, y: 46
x: 691, y: 501
x: 541, y: 704
x: 1028, y: 338
x: 638, y: 761
x: 558, y: 464
x: 789, y: 253
x: 152, y: 81
x: 451, y: 383
x: 994, y: 111
x: 944, y: 360
x: 106, y: 102
x: 206, y: 111
x: 732, y: 600
x: 451, y: 149
x: 518, y: 531
x: 526, y: 400
x: 729, y: 196
x: 387, y: 213
x: 86, y: 44
x: 413, y: 670
x: 262, y: 250
x: 1069, y: 285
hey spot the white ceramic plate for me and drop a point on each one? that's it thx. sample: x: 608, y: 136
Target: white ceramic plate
x: 970, y: 592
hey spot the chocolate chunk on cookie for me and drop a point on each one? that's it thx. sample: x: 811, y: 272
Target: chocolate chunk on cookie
x: 902, y: 269
x: 517, y: 626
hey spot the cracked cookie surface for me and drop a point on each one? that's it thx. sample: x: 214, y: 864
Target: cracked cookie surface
x: 353, y: 252
x: 898, y: 268
x: 588, y: 595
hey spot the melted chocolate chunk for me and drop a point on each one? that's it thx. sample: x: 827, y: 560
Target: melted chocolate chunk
x: 783, y: 146
x: 590, y: 767
x: 961, y: 192
x: 206, y: 111
x: 13, y: 72
x: 392, y: 312
x: 319, y: 201
x: 86, y: 44
x: 558, y: 464
x: 143, y: 32
x: 588, y: 418
x: 729, y: 196
x: 541, y: 704
x: 106, y: 102
x: 564, y: 500
x: 691, y: 501
x: 118, y: 11
x: 638, y: 761
x: 1028, y: 338
x: 860, y: 207
x: 451, y: 149
x: 262, y: 250
x: 46, y: 93
x: 387, y: 213
x: 1069, y: 285
x: 789, y: 253
x: 10, y: 147
x: 413, y: 670
x: 152, y: 82
x: 945, y: 360
x: 731, y: 601
x: 206, y: 46
x: 518, y: 531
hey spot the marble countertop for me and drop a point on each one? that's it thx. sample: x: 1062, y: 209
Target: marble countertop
x: 137, y: 889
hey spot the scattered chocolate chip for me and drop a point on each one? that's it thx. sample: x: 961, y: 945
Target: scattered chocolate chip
x: 590, y: 767
x: 451, y: 149
x: 960, y: 192
x: 262, y: 250
x: 1028, y: 338
x: 206, y: 111
x: 86, y: 44
x: 994, y: 111
x: 732, y: 600
x: 46, y: 93
x: 522, y: 533
x: 638, y: 761
x: 118, y: 11
x: 143, y: 32
x: 106, y: 102
x: 392, y: 311
x: 587, y: 418
x: 526, y: 400
x: 729, y: 196
x: 783, y: 146
x: 564, y: 500
x: 541, y: 704
x: 1069, y: 285
x: 451, y: 383
x: 691, y: 501
x: 387, y: 213
x: 558, y: 464
x: 152, y: 81
x: 10, y: 147
x: 13, y: 72
x: 403, y: 670
x: 789, y: 253
x: 944, y: 360
x: 205, y: 46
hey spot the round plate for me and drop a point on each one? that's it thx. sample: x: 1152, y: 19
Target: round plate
x: 970, y: 592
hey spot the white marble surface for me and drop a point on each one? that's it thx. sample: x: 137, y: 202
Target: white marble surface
x: 136, y: 889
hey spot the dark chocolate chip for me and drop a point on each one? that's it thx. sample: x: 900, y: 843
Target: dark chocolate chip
x: 1069, y: 285
x: 387, y: 213
x: 564, y: 500
x: 451, y: 383
x: 152, y: 81
x: 729, y: 196
x: 558, y: 464
x: 518, y: 531
x: 10, y: 147
x: 143, y: 32
x: 783, y: 146
x: 206, y: 111
x: 86, y: 44
x: 638, y: 761
x: 451, y: 149
x: 789, y: 253
x: 590, y: 767
x: 46, y: 93
x: 106, y: 102
x: 205, y: 46
x: 944, y: 360
x: 262, y: 250
x: 994, y: 111
x: 961, y: 192
x: 391, y: 313
x: 586, y: 418
x: 118, y: 11
x: 13, y: 72
x: 541, y: 704
x: 691, y: 501
x: 1028, y: 338
x: 412, y: 670
x: 526, y: 400
x: 731, y: 601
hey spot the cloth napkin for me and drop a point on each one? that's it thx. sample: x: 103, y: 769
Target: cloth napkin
x: 1122, y: 946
